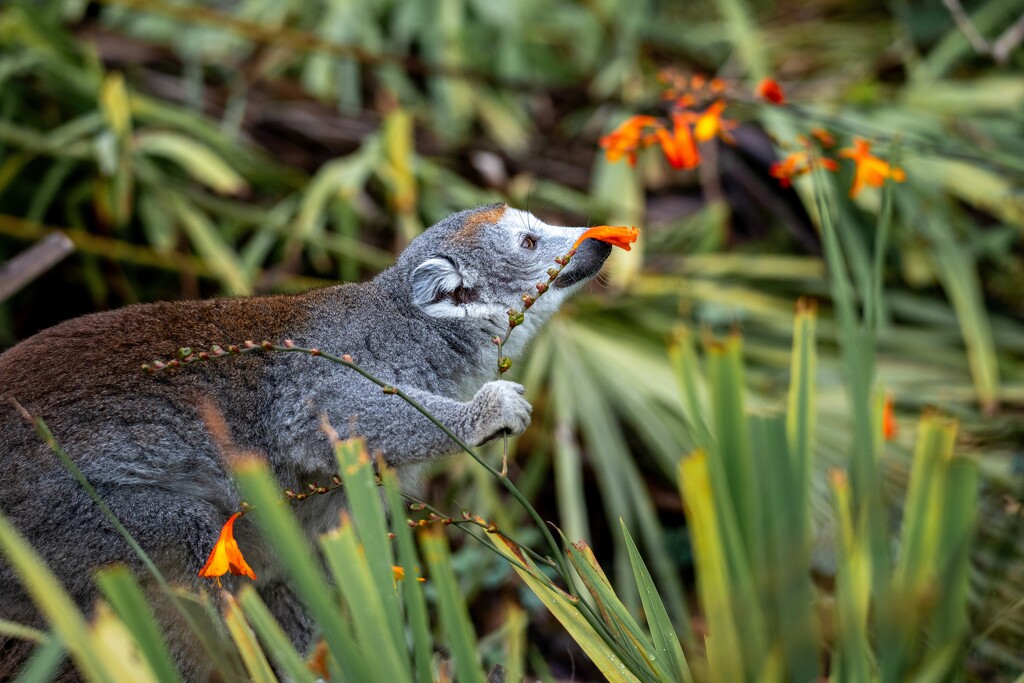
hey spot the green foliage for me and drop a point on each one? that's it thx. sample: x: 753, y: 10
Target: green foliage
x: 273, y: 146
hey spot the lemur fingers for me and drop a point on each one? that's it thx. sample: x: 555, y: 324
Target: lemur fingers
x: 499, y: 408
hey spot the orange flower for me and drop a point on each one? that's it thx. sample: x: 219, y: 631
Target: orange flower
x: 399, y: 573
x: 823, y: 136
x: 769, y: 89
x: 711, y: 124
x: 797, y: 164
x: 616, y: 235
x: 625, y: 140
x: 870, y: 169
x: 225, y: 556
x: 889, y: 426
x: 679, y: 147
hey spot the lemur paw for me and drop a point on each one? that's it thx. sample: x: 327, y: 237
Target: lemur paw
x: 498, y: 408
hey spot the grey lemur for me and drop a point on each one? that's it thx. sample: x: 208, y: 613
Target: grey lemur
x: 424, y: 325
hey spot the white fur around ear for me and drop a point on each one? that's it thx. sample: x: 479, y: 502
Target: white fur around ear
x: 434, y: 279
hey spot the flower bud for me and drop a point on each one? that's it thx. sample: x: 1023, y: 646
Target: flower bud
x: 542, y: 287
x: 289, y: 494
x: 527, y: 300
x: 504, y: 363
x: 266, y: 346
x: 347, y: 358
x: 174, y: 363
x: 554, y: 272
x: 184, y: 352
x: 233, y: 348
x: 289, y: 344
x: 314, y: 352
x: 311, y: 486
x: 203, y: 355
x: 336, y: 479
x: 248, y: 344
x: 390, y: 390
x: 147, y: 369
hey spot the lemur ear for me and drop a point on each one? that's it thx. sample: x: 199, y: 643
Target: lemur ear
x: 436, y: 280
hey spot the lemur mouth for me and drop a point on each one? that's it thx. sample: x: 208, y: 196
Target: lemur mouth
x: 589, y: 258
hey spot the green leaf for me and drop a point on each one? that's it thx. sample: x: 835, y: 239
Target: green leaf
x: 349, y: 563
x: 665, y: 640
x: 454, y: 616
x: 126, y: 597
x: 196, y: 159
x: 417, y: 619
x: 295, y: 555
x: 564, y: 608
x: 215, y: 251
x: 276, y: 642
x: 53, y: 602
x: 245, y: 640
x: 364, y: 497
x: 114, y: 103
x: 43, y: 663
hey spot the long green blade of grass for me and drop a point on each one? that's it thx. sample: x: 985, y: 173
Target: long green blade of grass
x: 415, y: 603
x: 53, y: 602
x: 454, y: 619
x: 126, y: 597
x: 293, y: 552
x: 666, y: 642
x: 275, y: 641
x: 253, y: 655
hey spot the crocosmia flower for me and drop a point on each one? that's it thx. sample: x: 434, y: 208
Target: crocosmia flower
x: 797, y: 164
x: 616, y: 235
x: 226, y: 556
x: 889, y: 427
x: 710, y: 124
x: 871, y: 171
x: 769, y: 89
x: 679, y: 146
x: 629, y: 137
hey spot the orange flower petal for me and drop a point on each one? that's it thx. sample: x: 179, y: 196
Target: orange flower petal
x: 616, y: 235
x: 824, y: 137
x: 889, y: 427
x: 685, y: 144
x: 226, y: 556
x: 769, y: 89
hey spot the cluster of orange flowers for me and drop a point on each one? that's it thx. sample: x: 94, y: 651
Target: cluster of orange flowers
x: 680, y: 135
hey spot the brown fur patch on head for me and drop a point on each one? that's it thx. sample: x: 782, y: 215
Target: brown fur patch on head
x: 474, y: 221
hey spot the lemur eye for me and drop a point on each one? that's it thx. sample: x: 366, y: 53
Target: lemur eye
x: 528, y: 242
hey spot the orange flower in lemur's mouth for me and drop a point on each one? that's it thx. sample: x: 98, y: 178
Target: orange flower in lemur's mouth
x: 616, y: 235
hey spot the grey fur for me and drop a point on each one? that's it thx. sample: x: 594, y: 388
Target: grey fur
x: 424, y: 325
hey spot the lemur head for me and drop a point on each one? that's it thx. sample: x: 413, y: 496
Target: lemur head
x: 476, y: 265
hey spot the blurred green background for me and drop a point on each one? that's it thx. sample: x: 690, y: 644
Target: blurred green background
x: 223, y: 148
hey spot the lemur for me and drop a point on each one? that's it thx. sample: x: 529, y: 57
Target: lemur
x: 425, y: 325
